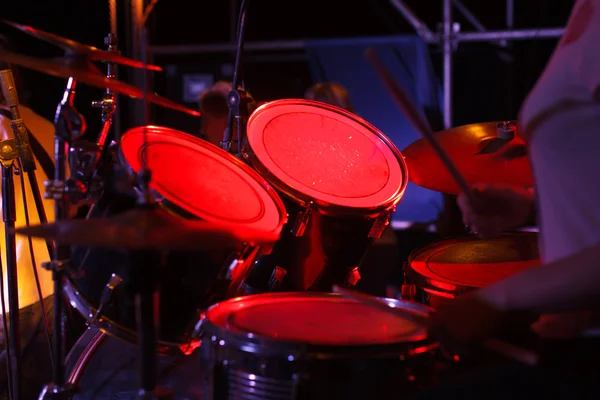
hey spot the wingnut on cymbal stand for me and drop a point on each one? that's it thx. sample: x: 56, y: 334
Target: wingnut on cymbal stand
x: 10, y: 149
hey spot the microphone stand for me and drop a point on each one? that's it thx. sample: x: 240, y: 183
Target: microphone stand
x: 66, y: 123
x: 11, y: 149
x: 237, y: 100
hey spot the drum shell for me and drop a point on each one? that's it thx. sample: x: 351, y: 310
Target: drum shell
x: 322, y: 243
x: 245, y: 366
x: 328, y: 252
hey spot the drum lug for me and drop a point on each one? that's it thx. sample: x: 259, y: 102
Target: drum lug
x: 409, y: 290
x: 380, y: 225
x: 242, y: 257
x: 277, y: 278
x: 302, y: 221
x: 353, y: 277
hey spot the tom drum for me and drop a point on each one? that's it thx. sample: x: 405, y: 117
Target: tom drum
x: 312, y: 346
x: 448, y: 268
x: 193, y: 179
x: 340, y: 179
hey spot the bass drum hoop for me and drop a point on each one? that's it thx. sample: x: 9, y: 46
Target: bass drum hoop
x: 77, y: 369
x: 438, y: 287
x: 108, y: 326
x: 323, y: 207
x: 259, y: 345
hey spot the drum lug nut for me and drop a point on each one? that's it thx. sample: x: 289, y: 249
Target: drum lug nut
x: 277, y: 278
x: 302, y: 221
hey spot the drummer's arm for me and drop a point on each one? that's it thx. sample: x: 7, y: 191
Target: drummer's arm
x: 570, y: 284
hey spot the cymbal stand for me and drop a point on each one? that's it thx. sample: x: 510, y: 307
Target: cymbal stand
x: 84, y: 157
x: 66, y: 121
x: 237, y: 99
x: 145, y: 272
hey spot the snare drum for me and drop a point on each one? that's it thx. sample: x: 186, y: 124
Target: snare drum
x: 192, y: 179
x: 451, y: 267
x: 312, y: 346
x: 340, y: 179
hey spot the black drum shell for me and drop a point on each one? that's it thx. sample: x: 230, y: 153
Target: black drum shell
x: 326, y: 254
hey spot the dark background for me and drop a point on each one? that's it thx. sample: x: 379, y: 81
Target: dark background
x: 490, y: 82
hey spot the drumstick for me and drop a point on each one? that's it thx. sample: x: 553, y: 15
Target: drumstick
x: 410, y: 111
x: 497, y: 346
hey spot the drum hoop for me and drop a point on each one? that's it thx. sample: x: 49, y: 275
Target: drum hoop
x: 106, y: 325
x: 180, y: 211
x: 324, y: 207
x: 441, y: 287
x: 255, y: 343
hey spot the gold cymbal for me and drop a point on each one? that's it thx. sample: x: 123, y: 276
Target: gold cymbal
x: 78, y: 49
x: 87, y: 74
x: 479, y: 153
x: 148, y: 228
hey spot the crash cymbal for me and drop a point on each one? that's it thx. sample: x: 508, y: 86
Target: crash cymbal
x: 147, y: 228
x: 78, y: 49
x: 479, y: 153
x: 85, y: 73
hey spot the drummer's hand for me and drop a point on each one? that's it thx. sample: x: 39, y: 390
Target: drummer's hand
x: 466, y: 320
x: 470, y: 319
x: 495, y: 209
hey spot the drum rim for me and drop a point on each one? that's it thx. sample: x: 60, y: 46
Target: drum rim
x: 105, y: 324
x: 323, y: 206
x: 440, y: 287
x: 255, y: 343
x: 180, y: 211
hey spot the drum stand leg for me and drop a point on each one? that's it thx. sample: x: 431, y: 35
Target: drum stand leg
x: 14, y: 339
x: 146, y: 296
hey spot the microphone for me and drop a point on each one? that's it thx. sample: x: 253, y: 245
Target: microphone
x: 11, y: 98
x: 235, y: 96
x: 75, y: 120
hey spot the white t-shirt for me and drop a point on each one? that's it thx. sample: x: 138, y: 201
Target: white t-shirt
x: 43, y: 131
x: 561, y: 119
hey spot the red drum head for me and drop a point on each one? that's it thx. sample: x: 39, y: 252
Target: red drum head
x: 454, y: 265
x: 317, y: 319
x: 317, y: 152
x: 203, y: 180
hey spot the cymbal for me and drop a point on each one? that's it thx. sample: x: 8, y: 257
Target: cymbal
x: 145, y: 229
x: 86, y: 73
x: 478, y: 153
x: 79, y: 49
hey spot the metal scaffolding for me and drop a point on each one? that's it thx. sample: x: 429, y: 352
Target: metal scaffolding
x: 449, y: 36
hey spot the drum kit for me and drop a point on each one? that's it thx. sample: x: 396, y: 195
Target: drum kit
x: 230, y: 259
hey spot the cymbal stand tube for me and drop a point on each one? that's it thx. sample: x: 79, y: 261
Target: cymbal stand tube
x: 146, y: 281
x: 65, y: 119
x: 9, y: 217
